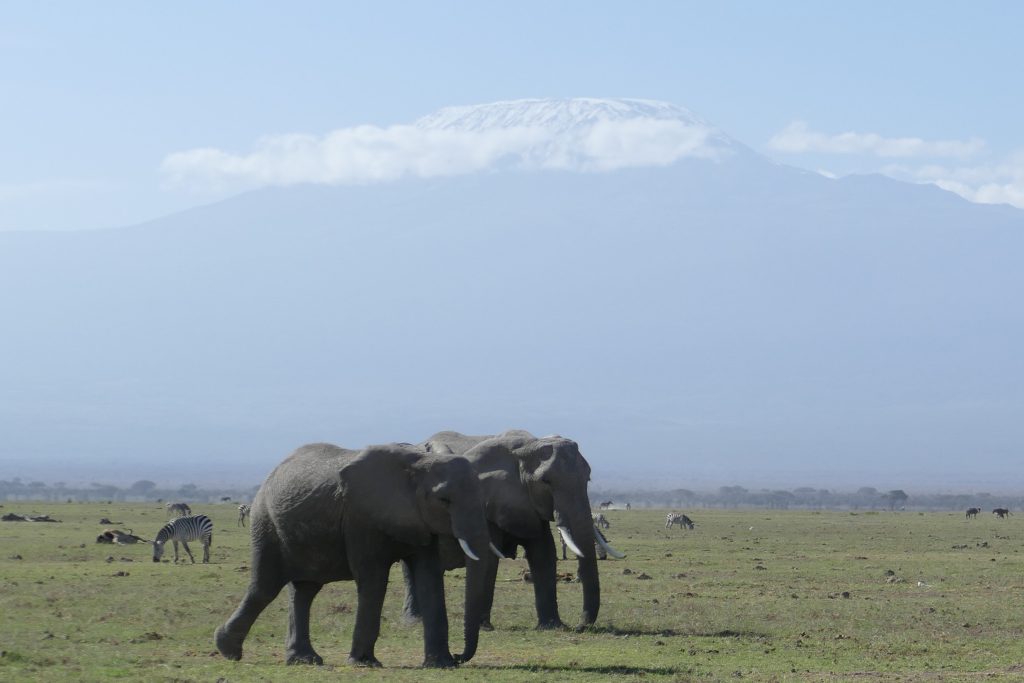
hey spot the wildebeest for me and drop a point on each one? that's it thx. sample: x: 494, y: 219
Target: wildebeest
x: 1001, y: 513
x: 972, y: 512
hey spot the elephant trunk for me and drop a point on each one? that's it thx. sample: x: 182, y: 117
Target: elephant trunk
x: 477, y: 602
x: 576, y: 520
x: 591, y: 583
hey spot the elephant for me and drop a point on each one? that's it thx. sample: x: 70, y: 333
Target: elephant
x: 332, y: 514
x: 527, y: 483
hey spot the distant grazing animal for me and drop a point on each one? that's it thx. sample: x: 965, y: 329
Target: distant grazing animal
x: 627, y: 506
x: 1001, y: 513
x: 605, y: 505
x: 243, y: 514
x: 183, y: 530
x: 178, y: 510
x: 972, y: 512
x: 600, y: 543
x: 225, y: 499
x: 680, y: 519
x: 601, y: 521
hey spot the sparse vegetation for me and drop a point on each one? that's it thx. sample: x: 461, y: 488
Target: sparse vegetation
x: 778, y: 595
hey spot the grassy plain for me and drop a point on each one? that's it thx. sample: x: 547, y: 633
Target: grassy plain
x: 749, y: 595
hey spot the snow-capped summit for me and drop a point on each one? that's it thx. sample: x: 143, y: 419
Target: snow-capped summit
x: 554, y: 114
x: 583, y: 133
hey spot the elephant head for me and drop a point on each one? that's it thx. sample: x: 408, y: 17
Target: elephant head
x: 437, y: 495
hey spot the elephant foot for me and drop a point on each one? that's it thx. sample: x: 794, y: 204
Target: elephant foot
x: 445, y: 661
x: 367, y: 661
x: 304, y: 657
x: 551, y: 625
x: 486, y: 625
x: 228, y: 644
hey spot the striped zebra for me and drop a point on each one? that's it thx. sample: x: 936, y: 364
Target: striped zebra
x: 601, y: 521
x: 178, y: 510
x: 682, y: 520
x: 243, y: 514
x: 185, y: 529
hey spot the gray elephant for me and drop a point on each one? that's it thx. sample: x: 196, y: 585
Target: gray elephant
x: 527, y: 483
x: 330, y: 514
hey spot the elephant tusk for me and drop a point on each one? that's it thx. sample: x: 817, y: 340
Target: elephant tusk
x: 466, y: 549
x: 607, y: 548
x: 567, y: 537
x: 497, y: 552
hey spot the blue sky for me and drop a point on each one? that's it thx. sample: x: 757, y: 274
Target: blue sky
x: 94, y: 98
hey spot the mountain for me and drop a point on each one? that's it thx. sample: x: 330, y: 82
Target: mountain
x: 716, y: 319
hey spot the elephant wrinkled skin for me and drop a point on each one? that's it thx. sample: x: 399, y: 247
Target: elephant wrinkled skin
x: 527, y: 483
x: 330, y: 514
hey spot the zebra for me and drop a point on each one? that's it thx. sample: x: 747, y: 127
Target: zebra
x: 243, y: 513
x: 185, y: 529
x: 972, y: 513
x: 605, y: 505
x: 601, y: 521
x: 682, y: 520
x: 1001, y: 513
x: 178, y: 510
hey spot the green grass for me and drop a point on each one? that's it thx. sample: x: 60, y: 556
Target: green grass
x: 750, y: 595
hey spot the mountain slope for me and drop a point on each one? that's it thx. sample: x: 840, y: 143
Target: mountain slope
x: 725, y: 321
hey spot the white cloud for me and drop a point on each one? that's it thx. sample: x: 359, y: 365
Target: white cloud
x: 798, y: 138
x: 999, y: 183
x: 366, y: 154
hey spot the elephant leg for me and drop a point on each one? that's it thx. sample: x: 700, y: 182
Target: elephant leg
x: 543, y: 561
x: 299, y: 648
x: 429, y: 584
x: 263, y: 588
x: 371, y: 586
x: 411, y: 608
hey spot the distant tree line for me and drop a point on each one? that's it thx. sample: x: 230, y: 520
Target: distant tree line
x: 141, y: 491
x: 802, y: 498
x: 806, y: 498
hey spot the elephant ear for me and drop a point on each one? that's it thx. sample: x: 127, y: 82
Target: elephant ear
x: 379, y: 488
x: 534, y: 461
